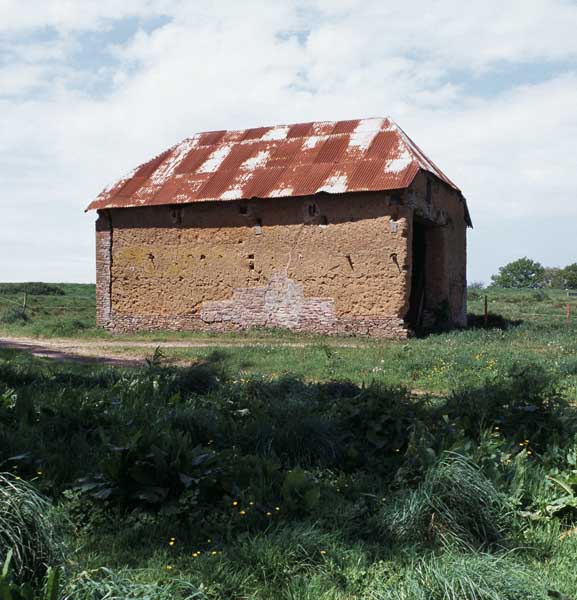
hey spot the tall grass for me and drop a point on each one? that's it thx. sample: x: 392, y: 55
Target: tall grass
x: 27, y: 529
x: 473, y: 576
x: 455, y: 504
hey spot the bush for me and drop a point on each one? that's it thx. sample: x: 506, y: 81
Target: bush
x: 164, y: 472
x: 14, y: 315
x: 26, y: 529
x: 526, y: 407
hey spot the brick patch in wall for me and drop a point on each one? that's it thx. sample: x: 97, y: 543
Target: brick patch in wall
x: 281, y: 303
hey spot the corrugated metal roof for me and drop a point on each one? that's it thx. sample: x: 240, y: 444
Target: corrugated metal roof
x: 270, y: 162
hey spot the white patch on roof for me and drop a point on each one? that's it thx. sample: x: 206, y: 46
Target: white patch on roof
x: 336, y: 184
x: 277, y: 133
x: 237, y: 191
x: 365, y: 133
x: 256, y: 161
x: 313, y: 140
x: 400, y: 163
x: 234, y: 193
x: 280, y: 192
x: 177, y: 155
x: 215, y: 160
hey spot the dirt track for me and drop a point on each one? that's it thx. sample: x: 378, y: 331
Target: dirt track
x: 129, y: 353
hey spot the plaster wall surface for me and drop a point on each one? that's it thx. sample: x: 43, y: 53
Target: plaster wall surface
x: 328, y: 264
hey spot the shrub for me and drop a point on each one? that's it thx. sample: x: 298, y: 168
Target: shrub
x: 26, y: 529
x: 164, y: 472
x: 14, y: 315
x: 383, y: 426
x: 526, y: 407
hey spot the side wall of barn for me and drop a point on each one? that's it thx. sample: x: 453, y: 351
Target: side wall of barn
x: 326, y: 264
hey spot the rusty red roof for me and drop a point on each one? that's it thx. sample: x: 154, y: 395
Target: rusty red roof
x: 268, y: 162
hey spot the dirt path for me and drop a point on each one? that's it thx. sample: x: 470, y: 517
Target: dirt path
x: 130, y: 353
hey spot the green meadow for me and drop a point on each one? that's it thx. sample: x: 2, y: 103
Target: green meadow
x: 274, y: 466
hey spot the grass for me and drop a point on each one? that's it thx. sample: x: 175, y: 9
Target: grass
x: 342, y: 469
x: 26, y: 528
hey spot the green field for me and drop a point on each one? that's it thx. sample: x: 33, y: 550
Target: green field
x: 296, y: 467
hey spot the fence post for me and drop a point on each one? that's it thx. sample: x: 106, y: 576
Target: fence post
x: 25, y: 301
x: 568, y: 313
x: 486, y: 311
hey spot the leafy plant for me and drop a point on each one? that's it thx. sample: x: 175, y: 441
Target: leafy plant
x: 165, y: 472
x: 300, y: 491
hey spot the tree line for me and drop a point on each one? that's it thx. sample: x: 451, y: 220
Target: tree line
x: 527, y: 273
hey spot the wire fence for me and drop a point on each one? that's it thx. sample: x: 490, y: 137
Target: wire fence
x: 33, y: 301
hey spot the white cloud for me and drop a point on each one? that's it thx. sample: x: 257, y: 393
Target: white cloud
x: 232, y: 65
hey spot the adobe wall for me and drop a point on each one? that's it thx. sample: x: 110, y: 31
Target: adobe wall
x: 446, y: 253
x: 327, y: 264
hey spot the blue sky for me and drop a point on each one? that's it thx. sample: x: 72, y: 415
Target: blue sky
x: 91, y: 88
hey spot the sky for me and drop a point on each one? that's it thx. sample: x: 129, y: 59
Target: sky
x: 89, y: 89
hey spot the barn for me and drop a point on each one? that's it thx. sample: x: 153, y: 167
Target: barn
x: 327, y: 227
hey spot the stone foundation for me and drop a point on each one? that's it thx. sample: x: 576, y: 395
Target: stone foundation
x: 385, y: 327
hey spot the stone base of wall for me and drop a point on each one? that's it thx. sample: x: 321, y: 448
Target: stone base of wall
x: 384, y: 327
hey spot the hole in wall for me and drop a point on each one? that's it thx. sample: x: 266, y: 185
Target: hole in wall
x: 176, y: 215
x: 251, y: 256
x: 243, y: 209
x: 313, y: 210
x: 202, y: 257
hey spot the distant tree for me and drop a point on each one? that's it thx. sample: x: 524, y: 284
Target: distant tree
x: 521, y: 273
x: 570, y: 276
x: 554, y: 277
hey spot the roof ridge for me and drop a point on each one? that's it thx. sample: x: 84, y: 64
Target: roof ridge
x: 238, y: 130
